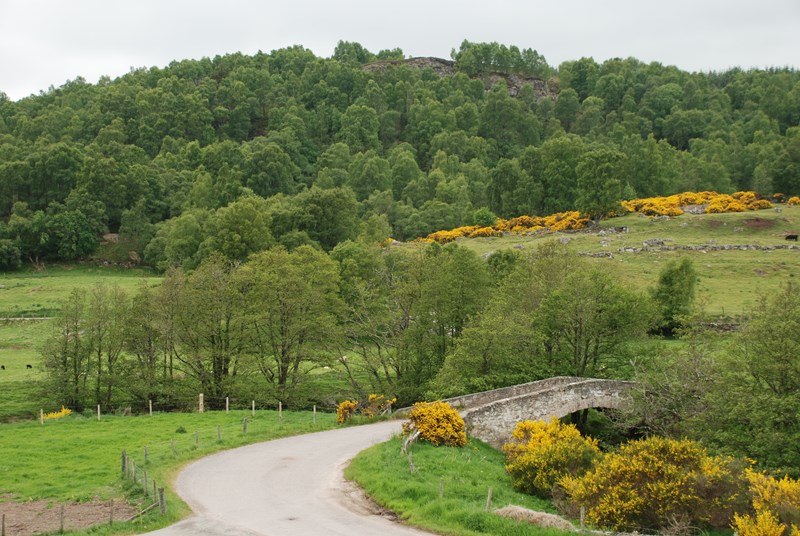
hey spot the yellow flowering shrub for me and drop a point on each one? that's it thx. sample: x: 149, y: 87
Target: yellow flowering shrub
x: 794, y: 200
x: 776, y: 504
x: 651, y: 482
x: 484, y: 232
x: 763, y: 524
x: 759, y: 204
x: 345, y: 410
x: 562, y: 221
x: 63, y: 412
x: 437, y: 423
x: 725, y: 203
x: 542, y: 453
x: 377, y: 405
x: 717, y: 203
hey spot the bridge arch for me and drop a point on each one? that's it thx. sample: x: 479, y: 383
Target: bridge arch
x: 491, y: 416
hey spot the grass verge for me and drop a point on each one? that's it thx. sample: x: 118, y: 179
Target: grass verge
x: 464, y: 474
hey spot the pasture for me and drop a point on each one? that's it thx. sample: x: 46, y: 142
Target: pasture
x: 78, y: 458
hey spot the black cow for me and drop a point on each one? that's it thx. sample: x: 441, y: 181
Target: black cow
x: 2, y: 367
x: 791, y: 237
x: 28, y: 366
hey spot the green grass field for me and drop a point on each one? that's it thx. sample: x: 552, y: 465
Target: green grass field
x: 78, y: 457
x: 465, y: 475
x: 38, y: 294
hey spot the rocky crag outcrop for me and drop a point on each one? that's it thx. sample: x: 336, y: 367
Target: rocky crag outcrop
x: 543, y: 89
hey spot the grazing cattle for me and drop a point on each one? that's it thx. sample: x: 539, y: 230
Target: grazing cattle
x: 2, y: 367
x: 791, y: 237
x: 28, y: 366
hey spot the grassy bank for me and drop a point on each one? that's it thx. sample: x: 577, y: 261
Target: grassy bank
x: 463, y: 474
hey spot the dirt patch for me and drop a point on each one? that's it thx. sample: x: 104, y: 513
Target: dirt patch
x: 714, y: 224
x: 759, y: 223
x: 36, y: 517
x: 351, y: 496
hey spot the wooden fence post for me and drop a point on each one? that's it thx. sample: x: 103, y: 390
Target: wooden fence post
x: 145, y: 454
x: 162, y: 502
x: 227, y: 404
x: 200, y: 405
x: 124, y: 462
x: 41, y: 416
x: 150, y: 403
x: 155, y: 491
x: 253, y: 413
x: 315, y: 414
x: 98, y: 412
x: 144, y: 483
x: 244, y: 426
x: 489, y: 499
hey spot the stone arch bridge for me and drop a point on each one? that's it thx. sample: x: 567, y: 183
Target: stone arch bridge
x: 492, y: 415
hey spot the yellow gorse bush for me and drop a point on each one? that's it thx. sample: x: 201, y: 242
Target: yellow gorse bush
x: 794, y: 200
x: 543, y: 453
x: 438, y: 423
x: 562, y: 221
x: 716, y: 203
x: 762, y: 524
x: 375, y: 405
x: 650, y: 482
x: 345, y: 410
x: 63, y: 412
x: 776, y: 504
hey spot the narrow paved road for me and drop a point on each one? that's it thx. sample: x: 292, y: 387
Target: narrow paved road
x: 287, y: 487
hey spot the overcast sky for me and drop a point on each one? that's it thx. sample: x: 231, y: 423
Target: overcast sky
x: 44, y: 43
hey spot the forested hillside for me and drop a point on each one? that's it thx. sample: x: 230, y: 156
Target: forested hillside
x: 238, y: 153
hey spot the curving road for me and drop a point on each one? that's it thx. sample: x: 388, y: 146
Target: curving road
x: 286, y: 487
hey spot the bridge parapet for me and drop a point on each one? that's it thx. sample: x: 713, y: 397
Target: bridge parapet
x: 493, y: 419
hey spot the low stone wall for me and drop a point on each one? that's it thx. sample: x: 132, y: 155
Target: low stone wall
x: 703, y: 247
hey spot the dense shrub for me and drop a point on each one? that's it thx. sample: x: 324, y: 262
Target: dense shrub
x: 776, y: 504
x: 543, y: 453
x: 656, y: 482
x: 10, y: 255
x: 437, y: 423
x: 345, y: 410
x: 375, y: 405
x: 794, y: 200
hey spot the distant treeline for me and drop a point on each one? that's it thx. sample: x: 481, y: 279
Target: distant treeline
x: 238, y: 153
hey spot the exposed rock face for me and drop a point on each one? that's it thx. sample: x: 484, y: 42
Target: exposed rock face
x: 439, y: 66
x: 542, y: 88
